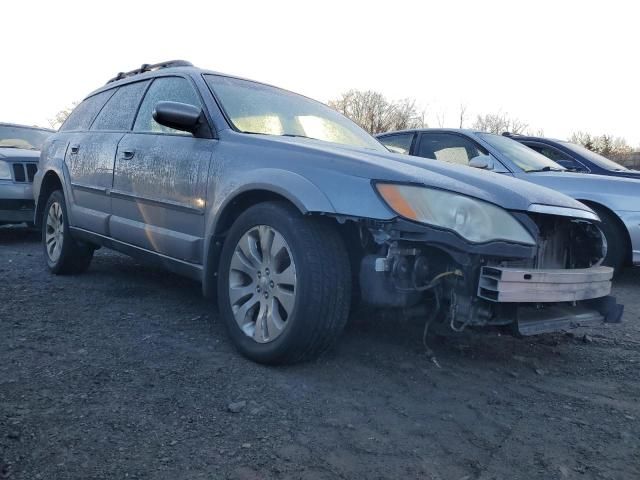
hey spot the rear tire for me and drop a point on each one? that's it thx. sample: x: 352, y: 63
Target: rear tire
x: 62, y: 253
x: 616, y: 236
x: 284, y: 284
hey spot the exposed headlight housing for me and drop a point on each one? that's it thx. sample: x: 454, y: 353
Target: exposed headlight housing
x: 5, y: 170
x: 472, y: 219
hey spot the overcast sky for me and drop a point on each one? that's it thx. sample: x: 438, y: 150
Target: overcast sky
x: 560, y: 66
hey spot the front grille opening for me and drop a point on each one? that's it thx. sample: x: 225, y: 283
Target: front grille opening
x: 19, y: 174
x: 32, y: 168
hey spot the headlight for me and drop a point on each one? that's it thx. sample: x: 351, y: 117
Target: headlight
x: 5, y: 170
x: 475, y: 220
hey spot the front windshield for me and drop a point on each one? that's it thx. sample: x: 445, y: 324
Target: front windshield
x: 22, y: 137
x: 524, y: 157
x: 256, y: 108
x: 595, y: 157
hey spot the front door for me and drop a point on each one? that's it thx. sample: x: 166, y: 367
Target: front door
x: 160, y: 180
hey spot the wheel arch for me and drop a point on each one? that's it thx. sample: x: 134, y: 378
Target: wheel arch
x: 50, y: 182
x: 313, y: 201
x: 621, y: 225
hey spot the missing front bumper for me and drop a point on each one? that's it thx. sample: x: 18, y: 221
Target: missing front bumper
x: 522, y: 285
x: 561, y: 317
x: 551, y: 300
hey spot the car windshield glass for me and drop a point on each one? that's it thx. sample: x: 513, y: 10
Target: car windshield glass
x: 594, y: 157
x: 524, y: 157
x: 22, y: 137
x: 256, y: 108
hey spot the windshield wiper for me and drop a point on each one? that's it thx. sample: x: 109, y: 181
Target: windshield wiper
x: 544, y: 169
x: 295, y: 136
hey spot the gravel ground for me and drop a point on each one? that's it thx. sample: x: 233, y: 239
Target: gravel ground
x: 126, y: 372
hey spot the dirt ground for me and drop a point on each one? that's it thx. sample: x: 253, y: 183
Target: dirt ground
x: 126, y: 372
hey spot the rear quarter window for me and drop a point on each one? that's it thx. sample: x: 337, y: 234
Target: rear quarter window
x: 82, y: 116
x: 121, y: 108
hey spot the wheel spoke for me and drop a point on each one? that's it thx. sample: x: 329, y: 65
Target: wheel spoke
x: 286, y: 277
x: 240, y: 313
x: 277, y: 246
x: 266, y: 235
x: 286, y: 299
x: 248, y: 246
x: 260, y: 334
x: 242, y: 263
x: 240, y: 292
x: 275, y: 323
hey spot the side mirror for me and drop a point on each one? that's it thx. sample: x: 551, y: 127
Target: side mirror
x: 483, y: 162
x: 183, y: 117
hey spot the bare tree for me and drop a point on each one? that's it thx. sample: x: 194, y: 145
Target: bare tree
x: 615, y: 148
x: 463, y: 112
x: 500, y: 123
x: 61, y: 116
x: 373, y: 112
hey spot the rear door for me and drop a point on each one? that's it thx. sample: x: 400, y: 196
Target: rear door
x: 160, y: 179
x: 94, y: 153
x: 89, y: 172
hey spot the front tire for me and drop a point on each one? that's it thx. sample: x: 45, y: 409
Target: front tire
x: 62, y: 253
x: 284, y: 284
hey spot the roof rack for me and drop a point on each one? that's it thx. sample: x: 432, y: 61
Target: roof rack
x: 146, y: 67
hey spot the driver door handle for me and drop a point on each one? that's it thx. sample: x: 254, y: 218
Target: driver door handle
x: 128, y: 154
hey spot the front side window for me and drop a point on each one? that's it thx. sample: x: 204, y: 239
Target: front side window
x: 22, y: 137
x: 83, y: 114
x: 164, y: 89
x: 119, y: 111
x: 557, y: 156
x: 449, y: 147
x: 400, y: 143
x: 525, y: 158
x: 261, y: 109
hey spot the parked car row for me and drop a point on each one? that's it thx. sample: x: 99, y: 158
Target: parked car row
x: 616, y: 199
x: 289, y: 214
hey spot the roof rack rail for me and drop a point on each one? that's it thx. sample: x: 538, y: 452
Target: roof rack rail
x: 146, y: 67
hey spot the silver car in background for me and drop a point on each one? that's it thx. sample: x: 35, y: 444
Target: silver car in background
x: 19, y: 154
x: 616, y: 200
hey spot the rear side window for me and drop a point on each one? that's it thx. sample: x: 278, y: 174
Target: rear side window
x: 164, y: 89
x: 121, y: 108
x: 83, y: 114
x: 400, y: 143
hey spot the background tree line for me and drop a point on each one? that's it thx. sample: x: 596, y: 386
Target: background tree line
x: 377, y: 114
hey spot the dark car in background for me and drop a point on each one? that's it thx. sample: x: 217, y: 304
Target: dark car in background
x: 575, y: 157
x: 19, y: 154
x: 283, y: 209
x: 616, y: 200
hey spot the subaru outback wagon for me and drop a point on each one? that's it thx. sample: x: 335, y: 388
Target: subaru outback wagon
x: 288, y: 212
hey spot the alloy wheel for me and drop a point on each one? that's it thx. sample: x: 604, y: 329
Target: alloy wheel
x: 54, y: 233
x: 262, y: 283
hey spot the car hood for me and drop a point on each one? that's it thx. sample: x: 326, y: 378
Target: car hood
x: 627, y: 173
x: 616, y: 193
x: 19, y: 155
x: 502, y: 190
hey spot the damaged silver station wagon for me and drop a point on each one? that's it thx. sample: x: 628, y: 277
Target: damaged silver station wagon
x: 288, y: 213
